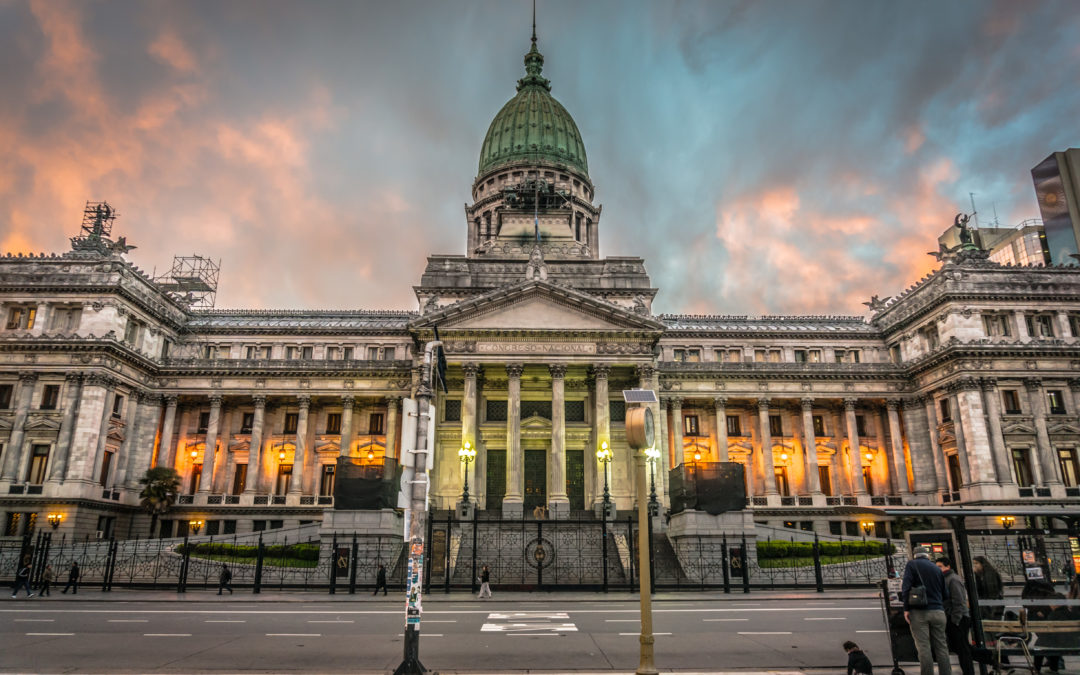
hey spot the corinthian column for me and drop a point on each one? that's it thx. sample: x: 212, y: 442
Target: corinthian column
x: 677, y: 428
x: 515, y: 477
x: 393, y: 403
x: 720, y: 405
x: 468, y: 422
x: 603, y: 425
x: 255, y: 456
x: 206, y: 482
x: 558, y: 500
x: 897, y: 465
x: 348, y: 403
x: 768, y: 466
x: 1049, y: 464
x: 67, y: 428
x: 296, y: 487
x: 854, y: 447
x: 167, y: 447
x: 813, y: 482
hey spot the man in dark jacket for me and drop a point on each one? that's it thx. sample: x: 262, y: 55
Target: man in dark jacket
x: 927, y: 622
x: 73, y: 579
x: 380, y: 580
x: 957, y: 616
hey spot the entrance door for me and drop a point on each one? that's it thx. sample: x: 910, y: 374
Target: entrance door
x: 535, y: 479
x: 575, y: 479
x: 496, y: 479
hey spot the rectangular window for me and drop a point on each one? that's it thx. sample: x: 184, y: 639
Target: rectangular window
x: 196, y: 477
x: 819, y: 425
x: 204, y: 422
x: 264, y: 352
x: 735, y: 355
x: 373, y: 353
x: 814, y: 355
x: 291, y: 420
x: 782, y: 484
x: 65, y: 319
x: 860, y: 425
x: 835, y: 527
x: 733, y: 428
x: 333, y: 353
x: 1045, y: 325
x: 825, y: 478
x: 239, y: 479
x: 166, y: 348
x: 894, y: 353
x: 277, y: 524
x: 389, y: 354
x: 776, y: 356
x: 291, y: 353
x: 996, y: 325
x: 1056, y: 402
x: 50, y: 397
x: 946, y: 413
x: 452, y: 410
x: 617, y: 410
x: 1010, y: 398
x: 213, y: 527
x: 39, y: 460
x: 306, y: 353
x: 854, y: 356
x: 258, y: 525
x: 1070, y: 470
x: 678, y: 354
x: 106, y: 464
x: 117, y: 406
x: 251, y: 352
x: 375, y: 423
x: 760, y: 356
x: 1021, y: 467
x: 776, y: 426
x: 690, y: 425
x: 956, y: 477
x: 284, y: 479
x: 333, y: 423
x: 495, y: 410
x: 800, y: 356
x: 347, y: 354
x: 574, y: 411
x: 247, y: 422
x: 1074, y: 325
x: 5, y: 395
x: 326, y: 481
x: 132, y: 331
x: 21, y: 318
x: 868, y: 479
x: 229, y: 527
x: 851, y: 528
x: 838, y: 355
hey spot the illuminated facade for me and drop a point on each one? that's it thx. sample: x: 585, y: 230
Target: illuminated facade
x: 963, y: 388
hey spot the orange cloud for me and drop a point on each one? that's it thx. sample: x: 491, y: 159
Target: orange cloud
x: 171, y: 50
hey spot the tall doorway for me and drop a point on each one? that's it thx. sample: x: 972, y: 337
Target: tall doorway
x: 575, y: 479
x: 496, y: 480
x: 535, y: 479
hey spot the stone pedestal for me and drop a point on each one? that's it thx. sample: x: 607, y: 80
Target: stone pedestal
x: 612, y: 512
x: 465, y: 510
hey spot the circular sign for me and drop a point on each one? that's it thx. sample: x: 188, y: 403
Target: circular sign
x: 640, y: 428
x: 539, y: 553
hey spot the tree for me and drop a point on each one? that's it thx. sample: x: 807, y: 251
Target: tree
x: 160, y: 486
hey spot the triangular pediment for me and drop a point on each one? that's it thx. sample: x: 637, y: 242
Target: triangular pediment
x: 535, y: 422
x: 536, y: 306
x: 47, y: 422
x: 1064, y: 428
x: 1017, y: 429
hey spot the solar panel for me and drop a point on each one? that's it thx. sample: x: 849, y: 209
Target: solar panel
x: 639, y: 396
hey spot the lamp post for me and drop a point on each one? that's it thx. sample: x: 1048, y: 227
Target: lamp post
x: 54, y: 519
x: 651, y: 456
x: 466, y: 454
x: 604, y: 455
x: 866, y: 526
x: 195, y: 526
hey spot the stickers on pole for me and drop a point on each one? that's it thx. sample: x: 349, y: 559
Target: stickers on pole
x: 413, y: 606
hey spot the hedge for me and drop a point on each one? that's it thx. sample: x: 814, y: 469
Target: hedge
x: 298, y: 551
x: 805, y: 549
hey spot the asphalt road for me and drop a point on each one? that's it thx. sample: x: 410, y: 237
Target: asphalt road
x: 230, y: 635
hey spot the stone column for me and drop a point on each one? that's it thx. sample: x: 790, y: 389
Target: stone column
x: 1068, y: 398
x: 1063, y: 324
x: 813, y: 482
x: 935, y: 445
x: 13, y: 455
x: 603, y: 426
x: 677, y: 428
x: 255, y: 471
x: 918, y: 438
x: 72, y: 386
x: 897, y: 465
x: 124, y: 463
x: 206, y: 482
x: 768, y: 466
x: 392, y: 405
x: 515, y: 460
x: 348, y: 402
x: 468, y: 423
x: 1046, y: 459
x: 181, y: 456
x: 992, y: 399
x: 720, y: 406
x: 103, y: 430
x: 854, y: 452
x: 296, y: 487
x: 1021, y: 325
x: 167, y: 447
x: 557, y: 498
x: 961, y: 437
x: 221, y: 484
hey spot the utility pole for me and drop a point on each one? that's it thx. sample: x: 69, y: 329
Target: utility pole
x: 416, y: 517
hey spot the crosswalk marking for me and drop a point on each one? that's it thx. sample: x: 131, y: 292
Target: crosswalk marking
x: 528, y: 622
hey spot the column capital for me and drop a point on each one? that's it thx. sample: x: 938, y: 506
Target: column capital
x: 763, y: 404
x: 719, y: 402
x: 171, y: 399
x: 557, y: 370
x: 303, y: 402
x: 807, y: 404
x: 514, y: 370
x: 968, y: 384
x: 215, y: 401
x: 73, y: 377
x: 849, y: 404
x: 348, y: 401
x: 892, y: 404
x: 28, y: 376
x: 470, y: 369
x: 392, y: 402
x: 988, y: 383
x: 644, y: 370
x: 1032, y: 384
x: 675, y: 402
x: 601, y: 371
x: 1074, y: 384
x: 260, y: 401
x: 913, y: 402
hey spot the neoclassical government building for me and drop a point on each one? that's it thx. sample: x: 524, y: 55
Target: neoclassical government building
x: 960, y: 389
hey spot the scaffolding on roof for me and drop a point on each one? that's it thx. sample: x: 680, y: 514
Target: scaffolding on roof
x: 194, y: 279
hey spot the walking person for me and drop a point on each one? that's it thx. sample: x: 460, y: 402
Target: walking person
x: 924, y: 610
x: 48, y: 575
x: 957, y: 616
x: 225, y: 579
x: 380, y: 580
x: 73, y: 579
x: 485, y: 583
x: 22, y: 580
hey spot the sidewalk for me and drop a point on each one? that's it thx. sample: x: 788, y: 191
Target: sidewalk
x: 435, y: 597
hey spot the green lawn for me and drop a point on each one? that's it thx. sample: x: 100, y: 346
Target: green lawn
x: 774, y: 563
x: 267, y: 561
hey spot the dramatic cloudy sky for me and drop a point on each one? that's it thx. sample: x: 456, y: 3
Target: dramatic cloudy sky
x: 764, y: 157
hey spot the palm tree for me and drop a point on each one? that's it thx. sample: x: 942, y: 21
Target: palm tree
x: 160, y: 487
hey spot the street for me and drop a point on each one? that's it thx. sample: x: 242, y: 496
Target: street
x: 459, y: 633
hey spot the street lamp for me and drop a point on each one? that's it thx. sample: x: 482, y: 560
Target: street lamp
x: 867, y: 526
x: 1007, y: 521
x: 54, y: 519
x: 466, y: 454
x: 604, y: 455
x: 195, y: 526
x: 651, y: 455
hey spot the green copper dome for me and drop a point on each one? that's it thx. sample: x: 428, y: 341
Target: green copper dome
x: 533, y: 126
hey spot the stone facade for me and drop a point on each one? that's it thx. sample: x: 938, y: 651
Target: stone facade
x: 962, y: 389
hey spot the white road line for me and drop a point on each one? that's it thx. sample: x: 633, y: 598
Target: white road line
x: 725, y: 619
x: 224, y: 621
x: 825, y: 618
x: 294, y: 635
x: 424, y: 634
x: 166, y: 634
x: 331, y: 621
x: 777, y: 632
x: 871, y: 631
x: 43, y: 634
x: 623, y: 620
x: 640, y: 633
x: 538, y: 634
x: 128, y: 620
x: 440, y: 620
x: 34, y: 620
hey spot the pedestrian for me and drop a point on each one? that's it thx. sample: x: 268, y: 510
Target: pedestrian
x: 857, y: 663
x: 1051, y: 611
x: 48, y: 575
x: 73, y: 579
x: 380, y: 580
x: 224, y: 580
x: 22, y: 580
x: 988, y: 586
x: 924, y: 593
x: 485, y: 583
x: 957, y: 616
